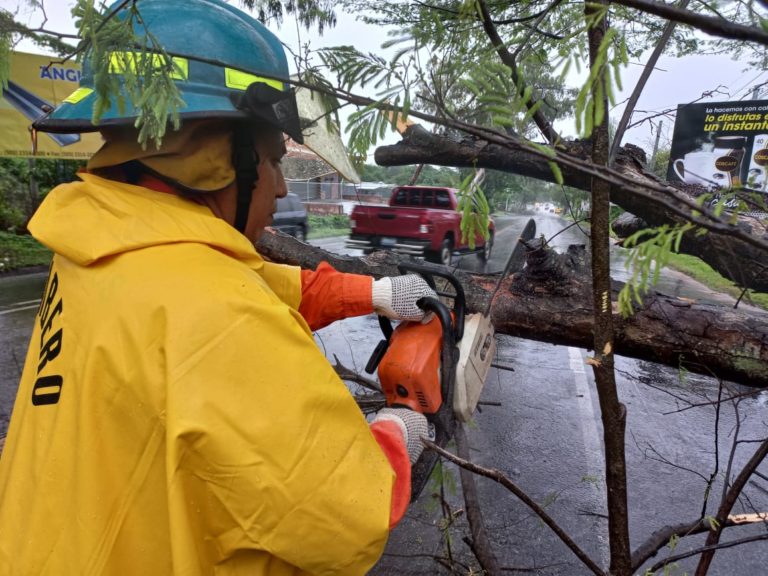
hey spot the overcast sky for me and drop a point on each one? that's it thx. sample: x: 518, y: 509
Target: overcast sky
x: 675, y: 81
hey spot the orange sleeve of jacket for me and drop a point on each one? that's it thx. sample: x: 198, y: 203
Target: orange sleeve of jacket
x: 326, y: 296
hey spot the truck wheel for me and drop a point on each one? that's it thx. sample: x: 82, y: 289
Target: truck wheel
x: 301, y: 234
x: 485, y: 253
x: 446, y: 252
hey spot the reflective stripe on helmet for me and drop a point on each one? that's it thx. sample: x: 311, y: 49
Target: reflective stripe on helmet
x: 239, y: 80
x: 119, y: 62
x: 78, y: 95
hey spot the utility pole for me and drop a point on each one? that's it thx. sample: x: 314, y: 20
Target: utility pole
x: 756, y: 92
x: 652, y: 163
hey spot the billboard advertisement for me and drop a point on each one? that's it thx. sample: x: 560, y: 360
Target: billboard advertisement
x: 37, y: 84
x: 721, y: 145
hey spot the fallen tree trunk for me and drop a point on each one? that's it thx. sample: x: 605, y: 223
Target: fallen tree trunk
x: 549, y: 301
x: 734, y: 258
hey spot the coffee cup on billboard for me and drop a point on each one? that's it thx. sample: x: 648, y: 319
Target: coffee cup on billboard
x: 698, y: 167
x: 730, y: 154
x: 757, y: 177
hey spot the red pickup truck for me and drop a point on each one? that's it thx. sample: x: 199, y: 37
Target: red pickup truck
x: 419, y: 221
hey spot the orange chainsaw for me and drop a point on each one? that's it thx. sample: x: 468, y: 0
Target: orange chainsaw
x: 437, y: 368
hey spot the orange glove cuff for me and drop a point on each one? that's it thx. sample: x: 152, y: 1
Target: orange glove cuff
x: 392, y: 443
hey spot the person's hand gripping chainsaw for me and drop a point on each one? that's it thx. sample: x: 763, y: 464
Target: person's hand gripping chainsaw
x: 395, y: 297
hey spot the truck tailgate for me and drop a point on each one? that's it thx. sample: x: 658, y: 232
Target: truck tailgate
x: 387, y: 221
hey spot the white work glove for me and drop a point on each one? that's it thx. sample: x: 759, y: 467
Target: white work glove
x: 413, y: 426
x: 395, y: 296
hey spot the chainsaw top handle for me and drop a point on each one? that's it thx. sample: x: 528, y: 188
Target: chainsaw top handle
x: 458, y: 296
x: 455, y: 327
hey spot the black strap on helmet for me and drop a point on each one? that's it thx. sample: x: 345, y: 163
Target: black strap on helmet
x: 246, y: 162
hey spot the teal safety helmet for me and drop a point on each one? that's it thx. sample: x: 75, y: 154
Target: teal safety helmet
x: 233, y: 68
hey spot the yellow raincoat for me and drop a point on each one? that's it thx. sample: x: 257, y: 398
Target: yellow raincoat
x: 175, y: 415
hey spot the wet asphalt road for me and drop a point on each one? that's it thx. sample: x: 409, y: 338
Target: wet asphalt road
x: 543, y: 431
x: 541, y: 428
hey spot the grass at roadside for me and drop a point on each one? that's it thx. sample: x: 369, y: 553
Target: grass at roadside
x: 18, y: 252
x: 701, y: 271
x: 326, y: 226
x: 21, y: 252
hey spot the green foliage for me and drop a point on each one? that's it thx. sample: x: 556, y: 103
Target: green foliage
x: 5, y: 57
x: 21, y: 252
x: 146, y: 71
x: 660, y: 163
x: 474, y: 209
x: 329, y: 102
x: 714, y: 525
x: 494, y: 92
x: 605, y: 71
x: 390, y: 81
x: 11, y: 32
x: 441, y: 479
x: 18, y: 196
x: 309, y: 13
x: 702, y: 272
x: 647, y: 258
x: 328, y: 225
x: 401, y: 175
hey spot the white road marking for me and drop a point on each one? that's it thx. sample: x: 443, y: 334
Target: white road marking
x: 593, y: 445
x: 36, y: 301
x: 20, y: 308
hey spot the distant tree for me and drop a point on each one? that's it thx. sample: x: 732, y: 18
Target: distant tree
x: 402, y: 175
x: 661, y: 163
x: 24, y: 183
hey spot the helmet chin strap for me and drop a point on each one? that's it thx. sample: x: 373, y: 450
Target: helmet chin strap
x: 246, y: 163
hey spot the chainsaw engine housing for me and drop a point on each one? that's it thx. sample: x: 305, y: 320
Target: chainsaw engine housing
x: 410, y: 370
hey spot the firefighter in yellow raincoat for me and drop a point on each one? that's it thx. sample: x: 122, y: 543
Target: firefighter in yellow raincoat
x: 175, y: 415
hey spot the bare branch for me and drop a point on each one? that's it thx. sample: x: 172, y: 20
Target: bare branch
x: 641, y: 82
x: 661, y: 537
x: 727, y: 504
x: 709, y: 24
x: 544, y: 125
x: 706, y: 550
x: 498, y: 476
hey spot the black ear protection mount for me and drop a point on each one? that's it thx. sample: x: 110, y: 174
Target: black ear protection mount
x: 277, y: 108
x: 262, y: 103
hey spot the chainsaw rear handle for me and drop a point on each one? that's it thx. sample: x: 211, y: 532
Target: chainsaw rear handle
x: 459, y: 308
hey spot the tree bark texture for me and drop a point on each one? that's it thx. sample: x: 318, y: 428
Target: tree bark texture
x: 732, y: 257
x: 550, y: 301
x: 612, y: 411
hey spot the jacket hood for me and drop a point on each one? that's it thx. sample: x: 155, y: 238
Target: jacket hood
x: 89, y: 220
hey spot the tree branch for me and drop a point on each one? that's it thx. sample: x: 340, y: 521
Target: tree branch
x: 544, y: 125
x: 612, y: 411
x: 709, y: 24
x: 706, y: 550
x: 712, y: 340
x: 632, y: 188
x: 727, y: 504
x: 641, y: 82
x: 499, y: 477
